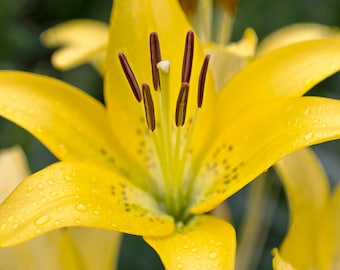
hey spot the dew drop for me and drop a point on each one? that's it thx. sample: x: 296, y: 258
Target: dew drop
x: 67, y: 177
x: 3, y: 227
x: 54, y: 194
x: 213, y: 255
x: 179, y: 266
x: 29, y: 188
x: 57, y: 222
x: 81, y: 207
x: 42, y: 220
x: 40, y: 186
x: 308, y: 136
x: 51, y: 182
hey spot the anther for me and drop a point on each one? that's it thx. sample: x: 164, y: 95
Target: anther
x: 201, y: 80
x: 188, y: 57
x: 130, y: 76
x: 155, y: 54
x: 181, y: 107
x: 148, y: 107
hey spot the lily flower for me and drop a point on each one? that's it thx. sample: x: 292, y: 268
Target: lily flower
x: 313, y: 239
x: 155, y: 163
x: 69, y: 248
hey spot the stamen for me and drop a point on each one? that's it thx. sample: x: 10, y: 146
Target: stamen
x: 155, y: 54
x: 130, y: 76
x: 181, y: 107
x: 201, y: 80
x: 148, y: 107
x: 188, y: 56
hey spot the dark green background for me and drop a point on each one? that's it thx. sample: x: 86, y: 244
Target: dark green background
x: 21, y: 22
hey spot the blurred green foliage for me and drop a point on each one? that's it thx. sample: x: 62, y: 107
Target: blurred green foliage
x: 22, y: 21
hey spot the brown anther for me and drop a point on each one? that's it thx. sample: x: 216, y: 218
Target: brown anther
x: 181, y: 106
x: 201, y: 80
x: 189, y: 6
x: 130, y: 76
x: 148, y: 107
x: 155, y: 55
x: 228, y: 5
x: 188, y: 57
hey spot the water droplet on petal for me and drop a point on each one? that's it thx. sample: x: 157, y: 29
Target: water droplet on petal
x: 213, y: 255
x: 3, y: 227
x: 42, y: 220
x: 179, y: 266
x: 309, y: 136
x: 81, y: 207
x: 67, y: 177
x: 51, y: 182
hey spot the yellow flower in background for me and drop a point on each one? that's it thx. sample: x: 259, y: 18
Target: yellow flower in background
x: 154, y: 163
x: 313, y: 239
x: 85, y: 40
x: 68, y: 248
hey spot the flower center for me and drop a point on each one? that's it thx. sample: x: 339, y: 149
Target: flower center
x: 170, y: 142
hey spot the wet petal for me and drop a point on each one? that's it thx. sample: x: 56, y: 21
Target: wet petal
x: 206, y: 242
x: 71, y: 124
x: 133, y: 22
x: 97, y: 248
x: 13, y: 169
x: 307, y: 190
x: 287, y: 72
x: 257, y: 139
x: 226, y: 61
x: 80, y: 40
x: 296, y: 33
x: 78, y: 194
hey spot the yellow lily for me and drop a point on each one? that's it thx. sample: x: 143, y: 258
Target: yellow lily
x: 159, y: 175
x: 313, y: 240
x: 71, y: 248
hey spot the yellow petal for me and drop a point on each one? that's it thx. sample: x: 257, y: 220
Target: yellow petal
x: 97, y: 248
x: 328, y: 246
x: 80, y: 40
x: 53, y: 250
x: 257, y: 139
x: 71, y: 124
x: 133, y: 22
x: 287, y: 72
x: 13, y: 169
x: 206, y: 242
x: 78, y: 194
x: 296, y: 33
x: 279, y: 263
x: 307, y: 191
x: 336, y: 213
x: 226, y: 61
